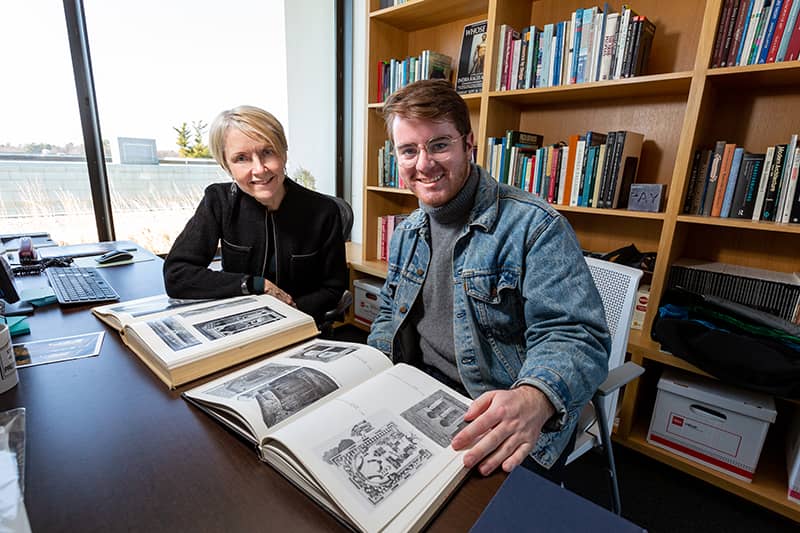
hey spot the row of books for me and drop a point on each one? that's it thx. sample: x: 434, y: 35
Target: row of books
x: 757, y: 31
x: 593, y: 45
x: 396, y: 73
x: 392, y: 3
x: 727, y: 181
x: 386, y: 226
x: 777, y: 293
x: 591, y: 170
x: 387, y: 167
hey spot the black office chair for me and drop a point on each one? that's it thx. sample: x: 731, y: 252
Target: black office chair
x: 338, y: 313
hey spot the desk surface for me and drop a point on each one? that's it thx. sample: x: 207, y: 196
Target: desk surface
x: 110, y: 448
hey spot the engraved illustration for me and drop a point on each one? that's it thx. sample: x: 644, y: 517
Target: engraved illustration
x: 237, y: 323
x: 324, y: 352
x: 439, y: 416
x: 216, y: 307
x: 173, y: 333
x: 279, y: 390
x: 377, y: 461
x: 155, y: 306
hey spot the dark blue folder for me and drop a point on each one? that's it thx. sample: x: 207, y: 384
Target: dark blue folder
x: 528, y: 502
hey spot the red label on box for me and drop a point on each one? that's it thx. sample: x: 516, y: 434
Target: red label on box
x: 677, y: 421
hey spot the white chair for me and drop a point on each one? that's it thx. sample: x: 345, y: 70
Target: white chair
x: 617, y: 285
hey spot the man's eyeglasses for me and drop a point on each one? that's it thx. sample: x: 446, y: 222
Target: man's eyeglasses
x: 438, y: 149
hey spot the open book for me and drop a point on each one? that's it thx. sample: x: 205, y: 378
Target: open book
x: 182, y: 340
x: 368, y: 441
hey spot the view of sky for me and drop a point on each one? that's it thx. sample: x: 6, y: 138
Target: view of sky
x: 156, y: 64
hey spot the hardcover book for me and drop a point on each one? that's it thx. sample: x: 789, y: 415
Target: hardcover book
x: 368, y: 441
x: 183, y: 340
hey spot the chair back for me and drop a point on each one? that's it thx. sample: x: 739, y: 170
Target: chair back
x: 617, y: 285
x: 346, y: 214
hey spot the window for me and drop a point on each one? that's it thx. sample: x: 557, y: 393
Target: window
x: 44, y: 183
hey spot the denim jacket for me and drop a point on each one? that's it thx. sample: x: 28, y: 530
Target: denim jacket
x: 525, y: 307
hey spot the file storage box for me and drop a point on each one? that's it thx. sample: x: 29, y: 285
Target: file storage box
x: 718, y: 425
x: 365, y: 300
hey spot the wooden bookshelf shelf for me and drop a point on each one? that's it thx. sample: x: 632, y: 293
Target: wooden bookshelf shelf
x: 420, y: 14
x: 673, y: 84
x: 624, y: 213
x: 783, y: 74
x: 741, y: 224
x: 680, y: 105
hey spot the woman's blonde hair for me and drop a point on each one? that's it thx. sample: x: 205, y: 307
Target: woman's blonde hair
x: 253, y: 122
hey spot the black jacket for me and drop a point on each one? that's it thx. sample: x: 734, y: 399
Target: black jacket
x: 310, y: 256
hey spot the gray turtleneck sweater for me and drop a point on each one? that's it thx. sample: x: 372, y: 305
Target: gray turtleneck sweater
x: 434, y: 318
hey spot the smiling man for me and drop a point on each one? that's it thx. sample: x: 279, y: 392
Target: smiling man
x: 487, y: 291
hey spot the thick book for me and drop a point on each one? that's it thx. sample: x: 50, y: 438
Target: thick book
x: 744, y: 197
x: 183, y: 340
x: 627, y: 153
x: 471, y: 58
x: 770, y: 205
x: 714, y: 169
x: 722, y: 180
x: 733, y: 178
x: 528, y: 502
x: 368, y: 441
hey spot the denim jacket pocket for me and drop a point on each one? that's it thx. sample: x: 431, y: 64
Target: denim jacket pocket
x: 496, y: 303
x: 235, y: 257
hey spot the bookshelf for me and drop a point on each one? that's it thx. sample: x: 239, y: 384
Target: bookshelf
x: 680, y: 104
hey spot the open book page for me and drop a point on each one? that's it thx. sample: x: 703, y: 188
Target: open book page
x: 375, y: 449
x: 183, y: 335
x: 270, y: 394
x: 119, y: 314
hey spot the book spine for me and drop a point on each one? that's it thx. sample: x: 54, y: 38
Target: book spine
x: 762, y: 183
x: 622, y: 37
x: 753, y: 178
x: 747, y: 42
x: 577, y: 172
x: 722, y: 25
x: 713, y: 176
x: 562, y: 176
x: 614, y: 169
x: 793, y: 49
x: 611, y: 140
x: 785, y: 175
x: 722, y: 180
x: 733, y: 179
x: 773, y: 187
x: 730, y: 31
x: 741, y: 20
x: 769, y: 34
x: 787, y: 31
x: 791, y: 188
x: 780, y: 27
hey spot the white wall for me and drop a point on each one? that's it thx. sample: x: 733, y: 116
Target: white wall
x: 359, y: 105
x: 311, y: 81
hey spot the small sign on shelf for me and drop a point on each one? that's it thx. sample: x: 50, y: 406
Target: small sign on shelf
x: 646, y: 197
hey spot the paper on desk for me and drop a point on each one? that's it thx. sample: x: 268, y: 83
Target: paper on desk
x: 38, y: 296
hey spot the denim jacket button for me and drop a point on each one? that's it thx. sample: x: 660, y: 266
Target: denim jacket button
x: 403, y: 308
x: 420, y: 272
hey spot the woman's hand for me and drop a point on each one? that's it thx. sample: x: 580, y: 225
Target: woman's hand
x: 273, y: 290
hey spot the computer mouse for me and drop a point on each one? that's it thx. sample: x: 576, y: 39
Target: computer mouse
x: 114, y: 256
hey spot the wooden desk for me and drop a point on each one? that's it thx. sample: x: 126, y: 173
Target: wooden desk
x: 110, y: 448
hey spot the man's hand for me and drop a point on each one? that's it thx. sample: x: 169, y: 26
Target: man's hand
x: 504, y: 427
x: 273, y: 290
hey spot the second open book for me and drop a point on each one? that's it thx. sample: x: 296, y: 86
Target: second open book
x: 368, y: 441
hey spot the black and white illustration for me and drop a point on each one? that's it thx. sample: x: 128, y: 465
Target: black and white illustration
x: 237, y: 323
x: 216, y: 307
x: 324, y: 352
x: 439, y: 416
x: 279, y: 390
x: 378, y: 460
x: 173, y: 333
x: 152, y: 307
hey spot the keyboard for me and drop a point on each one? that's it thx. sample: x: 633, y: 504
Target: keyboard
x: 77, y: 285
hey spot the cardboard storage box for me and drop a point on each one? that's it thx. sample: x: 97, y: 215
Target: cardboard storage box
x: 365, y: 305
x: 718, y: 425
x: 793, y: 458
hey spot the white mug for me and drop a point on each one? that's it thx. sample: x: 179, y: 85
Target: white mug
x: 8, y: 364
